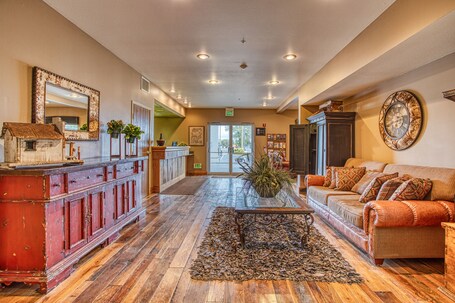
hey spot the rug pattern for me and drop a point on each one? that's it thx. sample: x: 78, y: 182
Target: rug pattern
x: 271, y: 252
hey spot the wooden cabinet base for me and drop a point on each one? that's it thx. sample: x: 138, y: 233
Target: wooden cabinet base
x: 43, y: 233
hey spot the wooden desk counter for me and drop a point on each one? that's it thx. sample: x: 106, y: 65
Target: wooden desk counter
x: 169, y: 166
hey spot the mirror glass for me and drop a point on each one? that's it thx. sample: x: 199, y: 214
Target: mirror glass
x: 71, y: 107
x: 56, y: 97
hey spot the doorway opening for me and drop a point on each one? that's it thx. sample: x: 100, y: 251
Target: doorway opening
x: 228, y: 144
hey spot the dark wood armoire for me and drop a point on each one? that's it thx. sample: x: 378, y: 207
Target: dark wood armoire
x: 302, y: 153
x: 335, y: 141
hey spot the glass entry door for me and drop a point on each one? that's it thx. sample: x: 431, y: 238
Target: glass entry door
x: 228, y: 143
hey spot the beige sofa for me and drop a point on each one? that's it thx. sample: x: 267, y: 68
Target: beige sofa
x: 389, y: 229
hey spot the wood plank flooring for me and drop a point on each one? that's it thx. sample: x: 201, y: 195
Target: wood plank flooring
x: 150, y: 262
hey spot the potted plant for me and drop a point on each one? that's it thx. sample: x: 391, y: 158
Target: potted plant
x: 265, y: 177
x: 132, y: 132
x: 115, y: 127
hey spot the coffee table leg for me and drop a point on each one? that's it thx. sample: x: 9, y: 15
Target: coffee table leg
x: 308, y: 221
x: 238, y: 221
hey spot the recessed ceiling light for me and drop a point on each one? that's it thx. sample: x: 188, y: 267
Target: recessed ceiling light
x: 274, y: 82
x: 203, y: 56
x: 269, y: 98
x: 189, y: 104
x: 213, y: 81
x: 289, y: 57
x: 264, y: 104
x: 179, y: 96
x: 172, y: 90
x: 185, y: 101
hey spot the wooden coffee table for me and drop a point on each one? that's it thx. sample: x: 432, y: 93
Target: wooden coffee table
x: 280, y: 209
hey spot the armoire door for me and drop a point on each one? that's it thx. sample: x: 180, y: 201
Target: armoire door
x: 299, y: 148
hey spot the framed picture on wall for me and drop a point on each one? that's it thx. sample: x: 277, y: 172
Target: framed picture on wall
x: 260, y: 131
x: 196, y: 135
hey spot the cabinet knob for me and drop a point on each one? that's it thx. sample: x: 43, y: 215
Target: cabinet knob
x: 73, y: 181
x: 99, y: 175
x: 55, y: 185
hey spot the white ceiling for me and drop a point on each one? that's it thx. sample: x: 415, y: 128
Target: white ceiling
x: 160, y: 39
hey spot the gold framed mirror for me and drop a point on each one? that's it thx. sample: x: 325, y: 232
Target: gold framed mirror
x: 54, y: 96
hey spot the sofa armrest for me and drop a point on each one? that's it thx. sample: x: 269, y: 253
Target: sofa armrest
x: 314, y: 180
x: 406, y: 213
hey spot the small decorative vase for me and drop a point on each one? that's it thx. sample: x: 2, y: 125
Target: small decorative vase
x: 131, y: 139
x: 160, y: 141
x: 114, y: 135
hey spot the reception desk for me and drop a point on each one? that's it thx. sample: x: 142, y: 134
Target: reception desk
x: 169, y: 166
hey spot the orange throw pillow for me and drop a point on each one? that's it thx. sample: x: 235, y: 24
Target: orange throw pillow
x: 390, y: 186
x: 413, y: 189
x: 346, y: 178
x: 328, y: 176
x: 373, y: 188
x: 360, y: 186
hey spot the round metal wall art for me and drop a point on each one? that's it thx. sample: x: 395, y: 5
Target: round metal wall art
x: 400, y: 120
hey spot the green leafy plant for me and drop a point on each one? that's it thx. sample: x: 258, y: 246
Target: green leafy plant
x: 132, y: 131
x: 183, y: 144
x: 115, y: 126
x: 84, y: 127
x: 265, y: 177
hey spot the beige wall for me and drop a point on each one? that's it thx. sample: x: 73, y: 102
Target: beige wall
x: 275, y: 123
x: 436, y: 143
x: 33, y: 34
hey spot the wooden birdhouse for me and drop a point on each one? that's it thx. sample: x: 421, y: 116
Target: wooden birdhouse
x: 32, y: 143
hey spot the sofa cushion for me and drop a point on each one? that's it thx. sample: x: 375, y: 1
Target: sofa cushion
x: 369, y: 165
x: 346, y: 178
x: 373, y: 188
x: 320, y: 194
x: 360, y: 186
x: 443, y: 179
x: 347, y: 207
x: 413, y: 189
x: 390, y: 186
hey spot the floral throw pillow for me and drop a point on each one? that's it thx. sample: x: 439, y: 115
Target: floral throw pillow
x: 390, y: 186
x: 328, y: 176
x: 360, y: 186
x: 413, y: 189
x: 346, y: 178
x: 372, y: 190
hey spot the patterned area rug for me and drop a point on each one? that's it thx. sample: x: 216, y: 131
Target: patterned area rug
x: 272, y: 252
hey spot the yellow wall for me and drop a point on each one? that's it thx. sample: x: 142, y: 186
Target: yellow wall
x: 33, y: 34
x: 436, y: 143
x: 275, y: 123
x: 167, y: 127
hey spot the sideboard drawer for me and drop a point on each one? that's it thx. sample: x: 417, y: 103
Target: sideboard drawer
x: 82, y: 179
x: 56, y: 185
x: 110, y: 172
x: 125, y: 170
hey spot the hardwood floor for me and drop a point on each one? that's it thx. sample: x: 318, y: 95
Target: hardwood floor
x: 150, y: 261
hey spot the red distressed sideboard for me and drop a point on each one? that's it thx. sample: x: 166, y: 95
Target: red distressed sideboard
x: 50, y: 218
